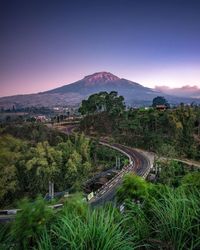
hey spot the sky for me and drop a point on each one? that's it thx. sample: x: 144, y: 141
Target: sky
x: 45, y: 44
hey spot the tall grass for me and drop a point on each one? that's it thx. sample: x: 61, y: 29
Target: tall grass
x: 5, y: 240
x: 175, y: 220
x: 44, y: 242
x: 170, y: 220
x: 136, y: 224
x: 97, y: 229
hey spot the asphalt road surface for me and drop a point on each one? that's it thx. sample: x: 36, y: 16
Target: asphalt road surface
x: 138, y: 164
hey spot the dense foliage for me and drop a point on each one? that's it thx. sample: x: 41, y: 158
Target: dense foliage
x: 27, y: 169
x: 32, y: 155
x: 33, y: 132
x: 103, y: 101
x: 171, y: 172
x: 150, y: 129
x: 104, y: 158
x: 160, y: 100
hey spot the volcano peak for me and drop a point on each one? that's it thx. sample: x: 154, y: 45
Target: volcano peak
x: 101, y: 77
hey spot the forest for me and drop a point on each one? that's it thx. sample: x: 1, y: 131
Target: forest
x: 29, y: 160
x: 176, y: 128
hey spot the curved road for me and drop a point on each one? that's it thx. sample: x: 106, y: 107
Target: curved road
x: 139, y: 164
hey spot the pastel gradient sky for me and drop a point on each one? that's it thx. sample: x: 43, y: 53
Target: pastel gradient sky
x: 46, y: 44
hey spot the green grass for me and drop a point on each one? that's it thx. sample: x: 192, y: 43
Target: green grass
x: 176, y: 220
x: 97, y: 229
x: 169, y: 220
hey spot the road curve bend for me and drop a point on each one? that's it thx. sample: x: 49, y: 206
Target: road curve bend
x: 139, y: 163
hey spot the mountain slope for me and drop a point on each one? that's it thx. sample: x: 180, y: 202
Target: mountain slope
x: 104, y: 81
x: 72, y: 94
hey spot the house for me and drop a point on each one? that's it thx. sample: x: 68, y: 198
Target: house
x: 161, y: 107
x: 41, y: 118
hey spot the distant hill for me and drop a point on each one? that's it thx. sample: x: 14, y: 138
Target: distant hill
x: 71, y: 94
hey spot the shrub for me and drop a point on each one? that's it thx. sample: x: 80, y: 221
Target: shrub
x: 30, y: 222
x: 133, y: 188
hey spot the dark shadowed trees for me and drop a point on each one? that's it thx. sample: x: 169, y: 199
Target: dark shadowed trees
x: 103, y: 101
x: 160, y: 100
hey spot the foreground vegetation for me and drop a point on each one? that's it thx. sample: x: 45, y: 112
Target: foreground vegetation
x: 154, y: 217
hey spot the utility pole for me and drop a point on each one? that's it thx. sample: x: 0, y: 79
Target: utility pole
x: 117, y: 162
x: 51, y: 190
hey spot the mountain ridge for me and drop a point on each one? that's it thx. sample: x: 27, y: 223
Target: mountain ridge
x: 97, y: 79
x: 72, y: 94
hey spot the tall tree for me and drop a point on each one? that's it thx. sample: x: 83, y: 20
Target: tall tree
x: 10, y: 154
x: 103, y: 101
x: 160, y: 100
x: 46, y: 162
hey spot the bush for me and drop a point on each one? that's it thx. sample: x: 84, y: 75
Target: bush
x: 133, y: 188
x: 30, y: 222
x: 191, y: 182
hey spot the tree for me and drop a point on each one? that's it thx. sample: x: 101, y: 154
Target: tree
x: 114, y: 103
x: 10, y: 154
x: 167, y: 151
x: 103, y: 101
x: 46, y: 162
x: 133, y: 188
x: 160, y: 100
x: 8, y: 178
x: 170, y: 172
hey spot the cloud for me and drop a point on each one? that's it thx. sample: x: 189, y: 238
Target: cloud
x: 186, y: 90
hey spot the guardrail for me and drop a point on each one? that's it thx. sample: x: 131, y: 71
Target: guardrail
x: 9, y: 211
x: 15, y: 211
x: 121, y: 151
x: 120, y: 174
x: 125, y: 169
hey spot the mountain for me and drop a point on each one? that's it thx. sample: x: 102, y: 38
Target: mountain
x: 189, y: 91
x: 102, y: 81
x: 105, y: 81
x: 72, y: 94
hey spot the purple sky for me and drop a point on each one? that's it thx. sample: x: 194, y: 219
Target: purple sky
x: 46, y: 44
